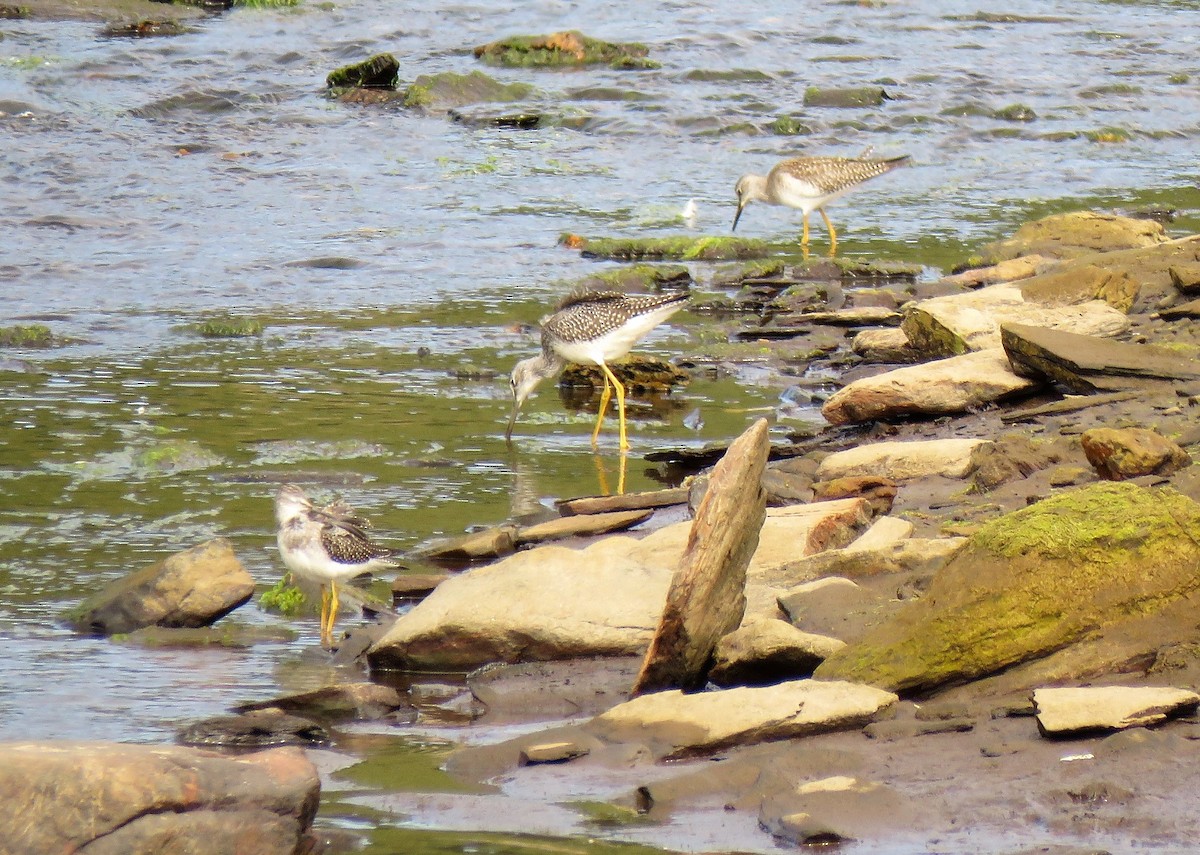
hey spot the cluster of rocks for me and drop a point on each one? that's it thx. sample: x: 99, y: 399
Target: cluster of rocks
x: 1043, y: 574
x: 966, y: 551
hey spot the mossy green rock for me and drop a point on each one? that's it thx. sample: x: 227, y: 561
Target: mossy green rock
x: 674, y: 248
x: 379, y: 72
x: 448, y: 89
x: 563, y: 49
x: 1035, y: 581
x: 1076, y: 234
x: 34, y: 335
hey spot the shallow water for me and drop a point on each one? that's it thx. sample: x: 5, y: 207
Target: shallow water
x: 148, y: 184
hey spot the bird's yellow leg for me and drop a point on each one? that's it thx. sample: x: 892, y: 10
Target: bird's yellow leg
x: 804, y: 231
x: 333, y: 607
x: 605, y: 397
x: 832, y: 233
x: 621, y: 475
x: 620, y: 390
x: 324, y: 611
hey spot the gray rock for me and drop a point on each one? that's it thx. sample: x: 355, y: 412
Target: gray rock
x: 260, y: 728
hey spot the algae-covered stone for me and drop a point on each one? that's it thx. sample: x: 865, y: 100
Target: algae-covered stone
x: 675, y: 248
x: 563, y: 49
x: 1034, y: 581
x: 379, y: 72
x: 456, y: 90
x: 1074, y: 234
x: 847, y: 96
x: 33, y: 335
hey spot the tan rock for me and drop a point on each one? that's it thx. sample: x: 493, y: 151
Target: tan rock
x: 885, y: 345
x: 581, y: 526
x: 904, y: 461
x: 674, y: 724
x: 1077, y: 233
x: 707, y: 595
x: 958, y: 323
x: 192, y: 588
x: 112, y: 799
x: 1065, y: 711
x: 1117, y: 454
x: 761, y: 652
x: 952, y: 385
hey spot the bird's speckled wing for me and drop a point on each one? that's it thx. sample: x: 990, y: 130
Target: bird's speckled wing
x: 586, y: 315
x: 831, y: 174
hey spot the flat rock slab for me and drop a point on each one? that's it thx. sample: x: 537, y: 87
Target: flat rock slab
x: 624, y: 501
x: 941, y: 387
x: 552, y: 602
x: 113, y: 799
x: 341, y: 702
x: 1071, y: 711
x: 581, y: 526
x: 905, y: 461
x: 192, y: 588
x: 1087, y: 364
x: 674, y: 724
x: 958, y: 323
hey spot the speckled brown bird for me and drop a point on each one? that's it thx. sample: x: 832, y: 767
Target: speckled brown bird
x: 592, y: 328
x: 811, y: 183
x: 325, y: 546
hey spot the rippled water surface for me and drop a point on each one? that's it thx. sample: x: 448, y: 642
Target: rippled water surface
x: 149, y: 184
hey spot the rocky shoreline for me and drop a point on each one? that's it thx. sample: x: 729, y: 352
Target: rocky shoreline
x: 961, y: 619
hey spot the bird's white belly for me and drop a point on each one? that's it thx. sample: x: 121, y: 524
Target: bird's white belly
x: 798, y: 193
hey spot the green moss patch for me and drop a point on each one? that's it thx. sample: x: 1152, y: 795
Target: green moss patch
x: 678, y: 248
x: 455, y: 90
x: 381, y: 71
x: 229, y: 328
x: 35, y: 335
x: 283, y: 598
x: 563, y: 49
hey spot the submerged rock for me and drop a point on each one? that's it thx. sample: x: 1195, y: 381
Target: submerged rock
x: 563, y: 49
x: 146, y: 799
x: 259, y: 728
x: 846, y: 96
x: 447, y: 89
x: 1083, y: 562
x: 344, y: 701
x: 381, y: 71
x: 192, y: 588
x: 677, y: 248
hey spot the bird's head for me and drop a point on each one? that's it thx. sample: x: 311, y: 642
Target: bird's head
x: 290, y: 502
x: 526, y: 375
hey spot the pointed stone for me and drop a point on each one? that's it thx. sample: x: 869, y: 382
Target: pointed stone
x: 1087, y: 364
x: 707, y: 596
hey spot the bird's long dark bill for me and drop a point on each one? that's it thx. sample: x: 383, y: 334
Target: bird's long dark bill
x: 737, y: 217
x: 512, y: 422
